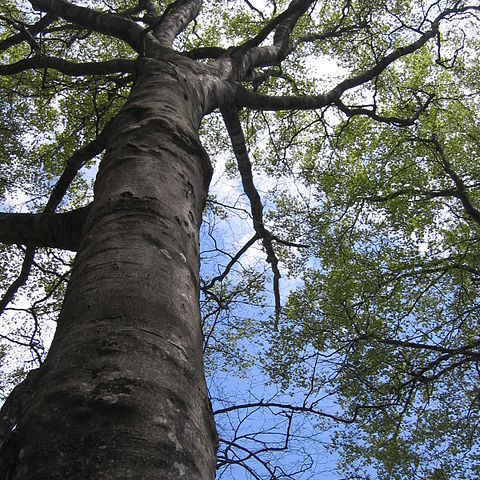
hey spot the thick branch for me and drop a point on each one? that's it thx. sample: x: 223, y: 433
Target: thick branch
x: 74, y: 163
x: 114, y: 25
x: 31, y: 30
x: 20, y: 280
x: 56, y: 230
x: 249, y: 99
x: 247, y: 56
x: 287, y: 18
x: 175, y: 19
x: 205, y: 52
x: 146, y: 6
x: 69, y: 68
x: 282, y: 33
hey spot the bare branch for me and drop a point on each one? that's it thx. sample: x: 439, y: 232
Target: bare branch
x: 249, y: 99
x: 333, y: 33
x: 254, y: 9
x: 237, y: 138
x: 69, y: 68
x: 301, y: 408
x: 232, y: 262
x: 117, y: 26
x: 43, y: 229
x: 174, y: 20
x: 461, y: 189
x: 251, y: 454
x: 31, y: 30
x: 397, y: 121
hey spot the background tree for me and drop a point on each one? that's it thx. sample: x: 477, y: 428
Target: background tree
x: 357, y: 120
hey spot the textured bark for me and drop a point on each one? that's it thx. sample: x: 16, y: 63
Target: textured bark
x: 171, y: 24
x: 123, y: 386
x: 68, y: 68
x: 57, y: 230
x: 108, y: 24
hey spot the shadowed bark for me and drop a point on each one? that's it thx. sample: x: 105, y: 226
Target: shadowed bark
x: 124, y: 347
x: 57, y: 230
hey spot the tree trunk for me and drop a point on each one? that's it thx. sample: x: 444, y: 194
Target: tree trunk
x: 122, y: 393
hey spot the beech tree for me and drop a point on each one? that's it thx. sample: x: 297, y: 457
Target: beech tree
x: 353, y: 131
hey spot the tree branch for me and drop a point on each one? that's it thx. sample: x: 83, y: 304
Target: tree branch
x: 461, y: 189
x: 56, y: 230
x: 232, y: 122
x: 20, y: 280
x: 302, y: 409
x: 250, y: 454
x: 21, y: 27
x: 69, y: 68
x: 397, y: 121
x: 467, y: 350
x: 246, y: 98
x: 31, y: 30
x: 333, y: 33
x: 248, y: 55
x: 74, y: 163
x: 288, y: 18
x: 174, y: 20
x: 232, y: 262
x: 117, y: 26
x: 450, y: 192
x: 288, y: 243
x: 205, y: 52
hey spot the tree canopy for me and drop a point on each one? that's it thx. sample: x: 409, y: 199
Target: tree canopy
x: 340, y: 244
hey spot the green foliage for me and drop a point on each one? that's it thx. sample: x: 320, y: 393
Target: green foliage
x: 381, y: 311
x: 390, y: 302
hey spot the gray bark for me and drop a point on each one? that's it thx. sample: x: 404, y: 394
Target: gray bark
x: 123, y: 386
x: 58, y: 230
